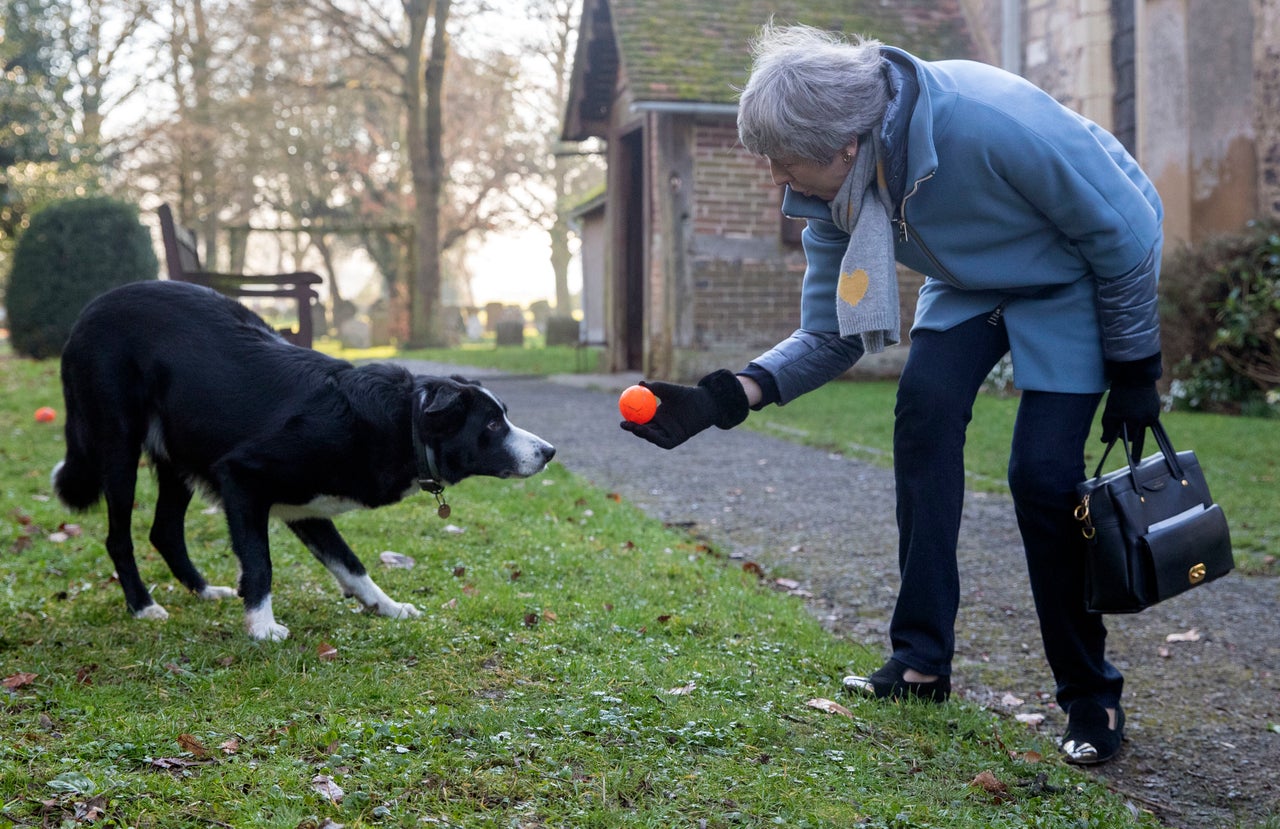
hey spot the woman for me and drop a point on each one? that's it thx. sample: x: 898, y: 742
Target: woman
x: 1039, y: 237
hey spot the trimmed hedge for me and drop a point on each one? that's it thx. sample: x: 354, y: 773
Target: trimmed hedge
x: 73, y: 251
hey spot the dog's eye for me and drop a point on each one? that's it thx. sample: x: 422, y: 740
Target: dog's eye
x: 495, y: 425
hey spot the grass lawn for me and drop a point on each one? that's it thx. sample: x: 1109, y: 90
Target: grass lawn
x: 577, y: 665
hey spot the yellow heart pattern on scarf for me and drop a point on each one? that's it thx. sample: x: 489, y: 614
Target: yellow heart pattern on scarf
x: 853, y: 286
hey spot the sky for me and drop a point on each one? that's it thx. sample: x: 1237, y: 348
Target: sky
x: 515, y: 268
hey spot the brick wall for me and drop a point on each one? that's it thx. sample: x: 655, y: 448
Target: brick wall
x: 733, y: 196
x: 745, y: 280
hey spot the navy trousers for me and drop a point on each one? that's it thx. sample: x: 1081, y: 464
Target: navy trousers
x: 939, y: 383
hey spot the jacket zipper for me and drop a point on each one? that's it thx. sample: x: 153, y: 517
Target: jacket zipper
x: 905, y: 232
x: 904, y: 235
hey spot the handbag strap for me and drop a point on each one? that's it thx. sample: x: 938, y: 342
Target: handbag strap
x: 1162, y: 440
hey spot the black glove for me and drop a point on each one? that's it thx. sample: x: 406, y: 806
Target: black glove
x: 717, y: 400
x: 1133, y: 402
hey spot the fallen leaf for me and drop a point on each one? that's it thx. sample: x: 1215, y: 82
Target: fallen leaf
x: 58, y: 537
x: 229, y: 746
x: 753, y: 568
x: 530, y: 620
x: 190, y: 744
x: 989, y: 783
x: 1163, y: 652
x: 787, y: 584
x: 93, y: 809
x: 550, y: 616
x: 396, y: 560
x: 454, y: 529
x: 1192, y: 635
x: 72, y: 530
x: 84, y: 674
x: 325, y: 787
x: 18, y: 680
x: 326, y: 652
x: 1032, y: 757
x: 1010, y: 701
x: 172, y: 763
x: 1029, y: 719
x: 683, y: 690
x: 829, y: 706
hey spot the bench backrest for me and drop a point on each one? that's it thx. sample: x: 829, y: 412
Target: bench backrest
x: 181, y: 254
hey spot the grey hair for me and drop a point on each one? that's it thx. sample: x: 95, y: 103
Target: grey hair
x: 810, y: 93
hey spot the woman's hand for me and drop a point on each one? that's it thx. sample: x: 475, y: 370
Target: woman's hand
x: 684, y: 411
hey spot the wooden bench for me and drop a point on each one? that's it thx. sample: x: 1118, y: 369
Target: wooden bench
x: 182, y: 259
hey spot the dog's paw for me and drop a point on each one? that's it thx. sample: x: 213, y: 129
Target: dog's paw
x: 262, y: 625
x: 268, y: 631
x: 212, y: 592
x: 397, y: 610
x: 152, y: 611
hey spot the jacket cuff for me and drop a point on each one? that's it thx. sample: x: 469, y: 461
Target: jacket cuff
x: 729, y: 397
x: 768, y: 385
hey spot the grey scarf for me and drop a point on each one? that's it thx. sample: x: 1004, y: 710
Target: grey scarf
x: 867, y: 294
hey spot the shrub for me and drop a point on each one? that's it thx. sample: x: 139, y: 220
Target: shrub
x: 73, y: 251
x: 1222, y: 312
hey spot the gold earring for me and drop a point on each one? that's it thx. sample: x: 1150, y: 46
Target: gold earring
x: 848, y: 157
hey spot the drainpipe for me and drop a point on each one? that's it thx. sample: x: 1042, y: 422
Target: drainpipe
x: 1011, y: 35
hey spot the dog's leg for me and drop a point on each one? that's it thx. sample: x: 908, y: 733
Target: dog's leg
x: 168, y: 537
x: 247, y: 525
x: 119, y: 483
x: 326, y: 544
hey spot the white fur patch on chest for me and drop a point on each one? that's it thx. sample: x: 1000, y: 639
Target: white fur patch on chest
x: 322, y: 506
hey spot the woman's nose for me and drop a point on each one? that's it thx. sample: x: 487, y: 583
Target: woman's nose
x: 778, y: 173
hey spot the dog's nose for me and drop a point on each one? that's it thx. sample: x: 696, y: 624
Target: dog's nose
x: 548, y: 452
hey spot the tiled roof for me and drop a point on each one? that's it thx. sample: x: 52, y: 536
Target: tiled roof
x: 676, y: 50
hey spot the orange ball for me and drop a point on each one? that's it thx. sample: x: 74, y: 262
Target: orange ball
x: 638, y: 404
x: 44, y: 414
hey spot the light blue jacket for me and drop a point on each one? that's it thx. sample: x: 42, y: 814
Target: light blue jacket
x: 1005, y: 199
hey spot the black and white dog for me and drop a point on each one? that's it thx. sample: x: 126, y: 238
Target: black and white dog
x: 219, y: 401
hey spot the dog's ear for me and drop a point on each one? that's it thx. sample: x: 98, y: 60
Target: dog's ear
x: 441, y: 408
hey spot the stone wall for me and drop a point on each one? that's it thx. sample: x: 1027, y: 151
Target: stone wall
x: 1267, y: 104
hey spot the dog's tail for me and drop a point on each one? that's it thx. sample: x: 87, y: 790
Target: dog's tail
x: 75, y: 478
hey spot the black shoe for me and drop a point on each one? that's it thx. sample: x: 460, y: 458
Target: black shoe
x: 887, y: 683
x: 1090, y: 739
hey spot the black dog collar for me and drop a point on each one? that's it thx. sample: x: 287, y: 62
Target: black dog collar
x: 428, y: 473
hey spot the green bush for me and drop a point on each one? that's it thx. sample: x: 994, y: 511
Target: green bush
x: 1222, y: 313
x: 73, y: 251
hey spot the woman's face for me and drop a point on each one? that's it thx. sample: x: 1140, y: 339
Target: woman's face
x: 812, y: 179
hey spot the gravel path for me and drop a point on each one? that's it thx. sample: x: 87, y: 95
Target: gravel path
x: 1203, y: 715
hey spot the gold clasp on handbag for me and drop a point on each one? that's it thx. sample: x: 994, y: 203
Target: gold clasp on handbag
x: 1197, y: 573
x: 1082, y: 515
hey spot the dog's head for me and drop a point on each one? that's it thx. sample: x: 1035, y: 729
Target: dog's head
x: 465, y: 430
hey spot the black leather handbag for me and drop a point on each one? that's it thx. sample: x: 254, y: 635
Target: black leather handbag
x: 1153, y: 531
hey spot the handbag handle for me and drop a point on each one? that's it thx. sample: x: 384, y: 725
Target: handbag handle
x: 1162, y: 440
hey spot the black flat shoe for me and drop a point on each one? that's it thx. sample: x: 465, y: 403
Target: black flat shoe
x: 887, y: 683
x: 1090, y: 740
